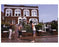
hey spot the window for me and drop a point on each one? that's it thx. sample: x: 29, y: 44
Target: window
x: 26, y: 12
x: 8, y: 12
x: 17, y: 12
x: 9, y: 21
x: 34, y: 12
x: 13, y: 21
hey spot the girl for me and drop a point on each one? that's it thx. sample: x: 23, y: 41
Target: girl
x: 34, y: 32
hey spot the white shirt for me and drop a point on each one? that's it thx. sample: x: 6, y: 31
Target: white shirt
x: 34, y: 28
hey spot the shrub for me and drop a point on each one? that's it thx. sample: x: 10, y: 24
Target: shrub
x: 27, y: 28
x: 39, y: 26
x: 54, y: 25
x: 7, y: 24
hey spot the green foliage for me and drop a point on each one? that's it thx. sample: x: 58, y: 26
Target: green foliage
x: 54, y: 25
x: 7, y: 24
x: 39, y: 26
x: 28, y: 29
x: 4, y: 29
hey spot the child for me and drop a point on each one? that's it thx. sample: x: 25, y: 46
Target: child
x: 34, y: 32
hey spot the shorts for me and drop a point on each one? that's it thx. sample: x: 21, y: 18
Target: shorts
x: 34, y: 32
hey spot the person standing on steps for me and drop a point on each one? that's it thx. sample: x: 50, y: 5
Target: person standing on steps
x: 20, y: 30
x: 16, y: 31
x: 10, y: 31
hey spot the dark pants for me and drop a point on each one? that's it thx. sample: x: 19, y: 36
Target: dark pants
x: 20, y: 33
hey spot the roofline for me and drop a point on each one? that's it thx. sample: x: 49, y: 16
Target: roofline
x: 20, y: 6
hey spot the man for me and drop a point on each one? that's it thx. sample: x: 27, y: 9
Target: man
x: 10, y: 31
x: 20, y: 30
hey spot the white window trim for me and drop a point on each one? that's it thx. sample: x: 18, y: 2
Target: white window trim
x: 36, y: 22
x: 6, y: 12
x: 17, y: 10
x: 26, y: 10
x: 31, y: 13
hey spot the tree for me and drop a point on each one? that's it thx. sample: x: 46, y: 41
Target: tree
x: 54, y: 25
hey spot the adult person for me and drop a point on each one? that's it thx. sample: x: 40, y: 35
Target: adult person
x: 20, y: 30
x: 34, y: 31
x: 16, y: 31
x: 10, y: 31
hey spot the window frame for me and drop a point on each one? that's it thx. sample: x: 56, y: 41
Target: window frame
x: 35, y: 20
x: 26, y: 14
x: 13, y: 21
x: 15, y: 12
x: 33, y: 14
x: 10, y: 11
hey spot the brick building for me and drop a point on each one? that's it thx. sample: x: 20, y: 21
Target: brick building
x: 2, y: 16
x: 16, y: 13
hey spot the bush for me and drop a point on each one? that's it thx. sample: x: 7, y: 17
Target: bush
x: 39, y: 26
x: 28, y: 29
x: 4, y: 28
x: 7, y: 24
x: 54, y: 25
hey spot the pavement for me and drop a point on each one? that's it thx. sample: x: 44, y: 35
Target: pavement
x: 28, y: 39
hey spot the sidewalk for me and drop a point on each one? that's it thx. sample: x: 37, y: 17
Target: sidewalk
x: 40, y: 39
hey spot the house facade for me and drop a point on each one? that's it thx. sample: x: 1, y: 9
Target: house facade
x: 2, y: 16
x: 15, y: 14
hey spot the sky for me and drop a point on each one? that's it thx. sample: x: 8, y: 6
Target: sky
x: 47, y: 13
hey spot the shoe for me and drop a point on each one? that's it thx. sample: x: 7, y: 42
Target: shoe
x: 20, y: 36
x: 33, y: 41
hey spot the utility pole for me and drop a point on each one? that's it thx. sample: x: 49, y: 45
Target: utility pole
x: 42, y: 24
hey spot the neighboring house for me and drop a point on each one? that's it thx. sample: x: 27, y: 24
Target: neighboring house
x: 15, y: 14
